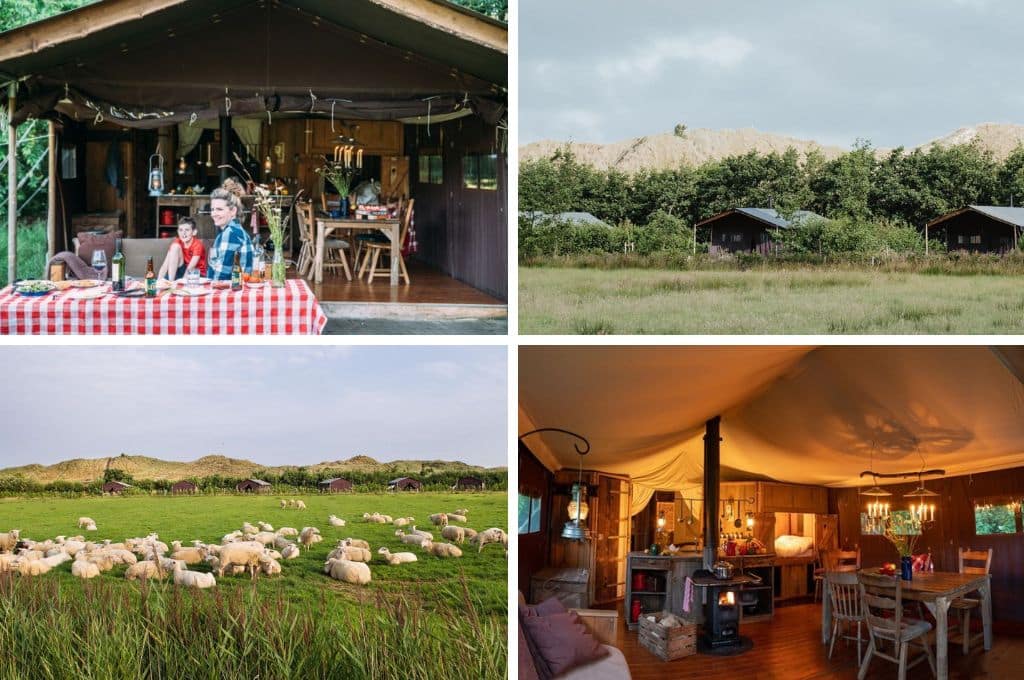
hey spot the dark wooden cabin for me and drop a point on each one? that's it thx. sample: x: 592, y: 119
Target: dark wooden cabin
x: 404, y: 484
x: 334, y: 485
x: 978, y: 229
x: 253, y: 486
x: 749, y: 230
x: 419, y: 84
x: 184, y: 486
x: 469, y: 484
x: 115, y: 487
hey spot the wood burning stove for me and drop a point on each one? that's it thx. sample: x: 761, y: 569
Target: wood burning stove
x: 722, y: 616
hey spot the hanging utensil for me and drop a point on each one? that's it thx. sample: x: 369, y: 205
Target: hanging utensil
x: 209, y: 155
x: 689, y: 518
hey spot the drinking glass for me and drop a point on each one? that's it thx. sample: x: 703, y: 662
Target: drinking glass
x: 99, y: 263
x: 192, y: 278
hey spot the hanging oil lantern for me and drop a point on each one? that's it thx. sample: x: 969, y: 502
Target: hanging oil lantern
x: 156, y: 174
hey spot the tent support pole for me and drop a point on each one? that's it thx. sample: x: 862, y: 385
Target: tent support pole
x: 51, y: 192
x: 925, y: 239
x: 12, y: 186
x: 225, y: 147
x: 712, y: 475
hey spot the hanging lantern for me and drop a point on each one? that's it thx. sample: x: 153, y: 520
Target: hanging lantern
x: 268, y: 164
x: 181, y: 166
x: 156, y: 174
x: 750, y: 520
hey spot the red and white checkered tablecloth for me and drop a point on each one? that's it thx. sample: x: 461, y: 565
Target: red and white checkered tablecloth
x: 292, y: 310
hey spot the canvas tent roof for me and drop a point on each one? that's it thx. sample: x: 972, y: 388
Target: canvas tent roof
x: 769, y: 216
x: 146, y: 63
x: 795, y: 414
x: 1000, y: 213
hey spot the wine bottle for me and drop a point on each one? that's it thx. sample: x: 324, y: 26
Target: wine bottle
x: 117, y: 267
x: 150, y: 278
x: 236, y: 272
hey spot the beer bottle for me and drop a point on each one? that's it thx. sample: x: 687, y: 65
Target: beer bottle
x: 117, y: 268
x: 236, y: 272
x: 150, y: 278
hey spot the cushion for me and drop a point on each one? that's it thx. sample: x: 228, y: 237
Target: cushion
x: 527, y: 669
x: 550, y: 606
x: 561, y: 641
x: 89, y: 243
x: 922, y: 562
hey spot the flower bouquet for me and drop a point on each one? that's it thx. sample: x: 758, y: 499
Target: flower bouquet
x: 270, y: 209
x: 340, y: 175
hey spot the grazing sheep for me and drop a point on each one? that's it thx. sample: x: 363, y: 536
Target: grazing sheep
x: 403, y: 521
x: 335, y: 521
x: 193, y: 579
x: 249, y: 529
x: 356, y: 573
x: 454, y: 533
x: 281, y: 543
x: 27, y: 554
x: 470, y: 533
x: 230, y: 538
x: 287, y: 531
x: 270, y: 566
x: 9, y: 540
x: 492, y: 535
x: 454, y: 517
x: 188, y: 555
x: 272, y: 554
x: 145, y: 569
x: 246, y: 554
x: 85, y: 521
x: 265, y: 527
x: 84, y: 569
x: 461, y: 511
x: 442, y: 549
x: 284, y: 504
x: 396, y: 558
x: 299, y: 505
x: 265, y: 537
x: 308, y: 536
x: 440, y: 519
x: 355, y: 542
x: 411, y: 539
x: 290, y: 552
x: 350, y: 552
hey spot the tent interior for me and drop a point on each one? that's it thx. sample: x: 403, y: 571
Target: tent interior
x: 797, y: 427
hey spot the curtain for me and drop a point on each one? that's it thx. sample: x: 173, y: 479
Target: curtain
x: 247, y: 129
x: 188, y: 137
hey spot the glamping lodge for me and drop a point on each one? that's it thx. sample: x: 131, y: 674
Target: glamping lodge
x: 978, y: 229
x: 115, y: 487
x: 149, y: 101
x: 334, y: 485
x: 763, y: 497
x: 404, y: 484
x: 184, y: 486
x: 253, y: 486
x: 748, y: 230
x: 469, y: 484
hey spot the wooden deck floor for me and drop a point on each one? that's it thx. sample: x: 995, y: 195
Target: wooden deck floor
x: 428, y: 286
x: 789, y: 647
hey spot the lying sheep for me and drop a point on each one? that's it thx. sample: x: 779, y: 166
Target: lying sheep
x: 290, y: 551
x: 8, y: 561
x: 58, y: 559
x: 421, y: 532
x: 265, y: 527
x: 270, y: 566
x: 470, y: 533
x: 440, y: 519
x: 287, y: 531
x: 492, y: 535
x: 145, y: 569
x: 273, y: 554
x: 454, y: 533
x: 375, y: 518
x: 442, y: 549
x: 265, y: 537
x: 351, y: 553
x: 193, y: 579
x: 33, y: 568
x: 454, y: 517
x: 188, y: 555
x: 85, y: 521
x: 403, y: 521
x: 356, y: 542
x: 396, y: 558
x: 90, y: 527
x: 335, y: 521
x: 249, y: 529
x: 461, y: 511
x: 84, y: 569
x: 356, y: 573
x: 411, y: 539
x: 281, y: 542
x: 9, y: 540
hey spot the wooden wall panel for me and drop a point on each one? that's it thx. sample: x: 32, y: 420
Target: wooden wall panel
x: 534, y: 479
x: 953, y: 528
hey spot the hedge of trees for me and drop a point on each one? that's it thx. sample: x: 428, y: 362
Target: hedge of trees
x: 878, y: 203
x: 299, y: 480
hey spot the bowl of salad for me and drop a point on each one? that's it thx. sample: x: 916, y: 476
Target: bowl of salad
x: 34, y: 287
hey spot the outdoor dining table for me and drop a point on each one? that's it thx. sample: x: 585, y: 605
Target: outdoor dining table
x: 390, y: 227
x: 936, y: 590
x: 291, y: 310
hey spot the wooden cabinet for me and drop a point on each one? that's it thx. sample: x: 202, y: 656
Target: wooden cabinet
x: 776, y: 497
x: 376, y: 137
x: 648, y: 581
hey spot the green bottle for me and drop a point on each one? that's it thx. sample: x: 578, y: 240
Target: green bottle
x: 117, y: 268
x: 150, y: 278
x: 236, y: 272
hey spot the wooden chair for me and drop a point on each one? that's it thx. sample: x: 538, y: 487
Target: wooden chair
x: 882, y: 604
x: 307, y: 238
x: 971, y: 562
x: 844, y: 593
x: 373, y: 251
x: 334, y: 248
x: 842, y: 560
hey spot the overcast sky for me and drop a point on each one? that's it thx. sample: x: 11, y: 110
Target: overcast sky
x: 272, y: 405
x: 893, y: 72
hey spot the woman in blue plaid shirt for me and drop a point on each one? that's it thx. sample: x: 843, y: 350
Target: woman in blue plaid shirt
x: 225, y: 208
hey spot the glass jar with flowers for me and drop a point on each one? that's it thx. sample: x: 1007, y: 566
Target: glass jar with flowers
x: 270, y: 208
x: 903, y: 533
x: 340, y: 176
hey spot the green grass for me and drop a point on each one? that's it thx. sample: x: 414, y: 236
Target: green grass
x: 797, y: 301
x: 453, y: 613
x: 31, y: 249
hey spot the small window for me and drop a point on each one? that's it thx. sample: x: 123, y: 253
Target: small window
x: 430, y: 170
x: 960, y: 239
x: 480, y: 171
x: 529, y: 514
x: 736, y: 238
x: 976, y: 239
x: 997, y: 516
x: 68, y: 162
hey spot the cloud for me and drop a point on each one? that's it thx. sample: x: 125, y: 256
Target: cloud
x: 447, y: 370
x: 724, y: 52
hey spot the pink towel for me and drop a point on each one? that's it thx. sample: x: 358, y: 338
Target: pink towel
x: 687, y: 594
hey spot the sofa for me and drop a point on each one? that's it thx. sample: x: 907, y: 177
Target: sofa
x: 136, y: 250
x: 610, y: 667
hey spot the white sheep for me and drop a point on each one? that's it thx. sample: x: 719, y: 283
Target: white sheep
x: 351, y: 553
x: 284, y: 504
x: 265, y: 527
x: 442, y: 549
x: 299, y: 505
x: 287, y: 531
x: 270, y: 566
x: 188, y: 555
x: 396, y: 558
x: 265, y: 537
x: 246, y: 554
x: 57, y: 559
x: 470, y: 533
x: 231, y: 538
x: 9, y: 540
x: 421, y: 532
x: 375, y: 518
x: 308, y: 536
x: 492, y: 535
x: 356, y: 542
x: 439, y: 518
x: 84, y: 569
x: 90, y: 527
x: 85, y: 521
x: 411, y: 539
x: 249, y: 529
x: 145, y: 569
x: 290, y: 551
x: 403, y: 521
x: 461, y: 511
x: 455, y: 517
x: 356, y: 573
x: 193, y: 579
x: 281, y: 542
x: 454, y: 533
x: 33, y: 568
x: 8, y: 561
x: 273, y: 554
x: 336, y: 521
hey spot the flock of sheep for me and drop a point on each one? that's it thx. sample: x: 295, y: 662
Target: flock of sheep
x: 253, y: 549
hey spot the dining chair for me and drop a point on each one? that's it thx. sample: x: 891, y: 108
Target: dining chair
x: 844, y: 593
x: 373, y: 251
x: 307, y: 240
x: 842, y: 560
x: 971, y: 562
x: 882, y: 604
x: 334, y: 248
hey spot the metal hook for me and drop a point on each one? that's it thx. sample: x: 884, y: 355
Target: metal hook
x: 583, y: 439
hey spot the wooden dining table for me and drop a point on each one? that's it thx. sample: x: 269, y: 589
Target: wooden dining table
x: 325, y: 226
x: 935, y: 590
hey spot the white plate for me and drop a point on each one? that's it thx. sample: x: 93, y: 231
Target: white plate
x: 192, y: 292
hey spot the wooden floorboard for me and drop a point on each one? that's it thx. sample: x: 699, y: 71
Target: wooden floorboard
x: 428, y: 286
x: 790, y: 647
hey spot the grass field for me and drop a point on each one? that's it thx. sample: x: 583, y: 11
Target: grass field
x: 455, y: 607
x: 640, y: 301
x: 31, y: 249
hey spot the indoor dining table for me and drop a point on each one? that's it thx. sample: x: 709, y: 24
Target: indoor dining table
x: 390, y: 227
x: 936, y: 590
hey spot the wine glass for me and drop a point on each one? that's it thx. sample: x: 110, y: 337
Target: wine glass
x: 99, y: 263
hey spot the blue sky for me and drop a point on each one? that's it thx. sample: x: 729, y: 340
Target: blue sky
x: 895, y: 73
x: 272, y: 404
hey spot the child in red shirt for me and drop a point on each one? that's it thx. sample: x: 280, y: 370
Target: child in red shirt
x: 187, y: 252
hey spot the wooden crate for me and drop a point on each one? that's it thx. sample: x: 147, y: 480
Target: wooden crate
x: 667, y: 643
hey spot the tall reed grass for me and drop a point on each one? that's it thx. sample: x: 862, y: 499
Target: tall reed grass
x: 31, y: 250
x: 92, y: 629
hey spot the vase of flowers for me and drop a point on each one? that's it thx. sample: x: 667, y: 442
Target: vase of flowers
x: 269, y: 208
x: 904, y: 544
x: 907, y: 567
x: 340, y: 176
